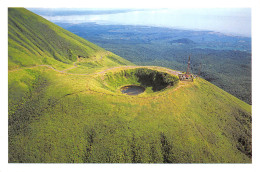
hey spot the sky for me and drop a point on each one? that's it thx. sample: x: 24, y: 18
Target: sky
x: 234, y: 21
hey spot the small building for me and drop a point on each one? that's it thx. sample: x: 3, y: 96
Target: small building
x: 185, y: 77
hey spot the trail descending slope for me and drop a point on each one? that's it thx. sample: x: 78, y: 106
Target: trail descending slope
x: 63, y: 111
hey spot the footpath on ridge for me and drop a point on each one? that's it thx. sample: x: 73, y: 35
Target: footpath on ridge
x: 64, y: 71
x: 173, y: 72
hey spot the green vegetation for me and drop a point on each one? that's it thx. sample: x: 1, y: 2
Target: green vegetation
x: 105, y: 61
x: 152, y: 80
x: 32, y: 40
x: 78, y: 116
x: 225, y: 60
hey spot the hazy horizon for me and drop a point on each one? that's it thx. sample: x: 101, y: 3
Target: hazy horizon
x: 234, y: 21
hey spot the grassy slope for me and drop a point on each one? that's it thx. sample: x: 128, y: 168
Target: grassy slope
x: 63, y: 121
x: 59, y: 117
x: 32, y: 40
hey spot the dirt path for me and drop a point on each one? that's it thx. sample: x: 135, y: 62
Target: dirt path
x: 173, y: 72
x: 74, y: 66
x: 61, y: 71
x: 101, y: 72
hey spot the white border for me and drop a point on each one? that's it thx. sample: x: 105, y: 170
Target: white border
x: 4, y: 4
x: 131, y: 3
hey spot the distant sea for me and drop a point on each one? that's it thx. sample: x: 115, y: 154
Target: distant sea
x: 232, y: 21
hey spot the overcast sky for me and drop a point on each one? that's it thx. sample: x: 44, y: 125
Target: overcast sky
x: 236, y: 21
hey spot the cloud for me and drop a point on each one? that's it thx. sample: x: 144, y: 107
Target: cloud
x: 236, y: 21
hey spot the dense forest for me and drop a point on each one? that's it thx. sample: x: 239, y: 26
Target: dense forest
x: 224, y: 60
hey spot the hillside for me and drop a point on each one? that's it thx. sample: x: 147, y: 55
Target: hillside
x: 71, y: 110
x: 34, y: 40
